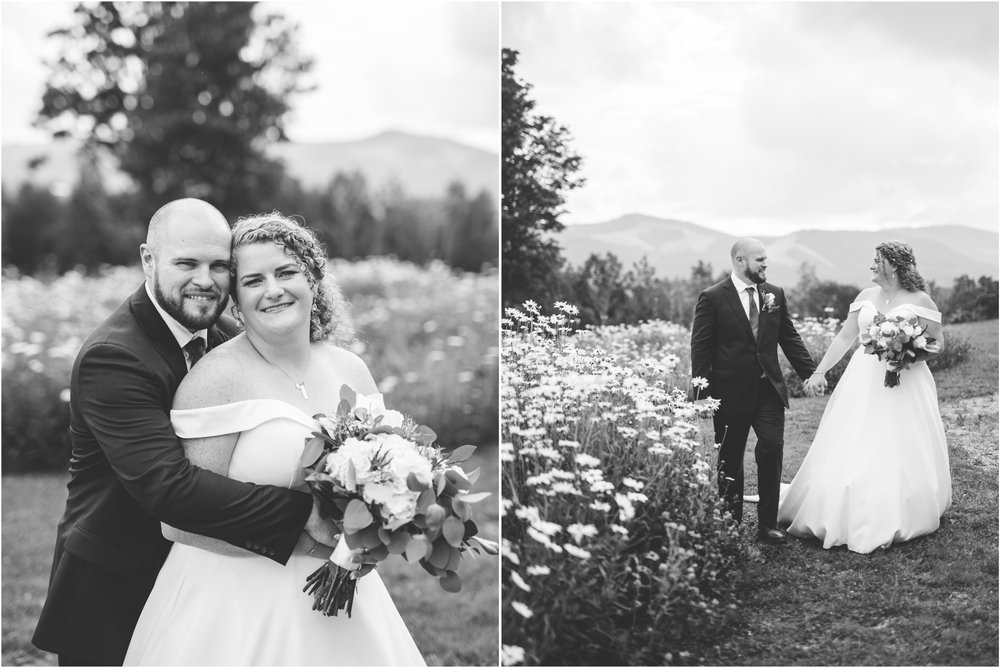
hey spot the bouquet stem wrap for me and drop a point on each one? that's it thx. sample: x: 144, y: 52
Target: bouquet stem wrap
x: 333, y: 584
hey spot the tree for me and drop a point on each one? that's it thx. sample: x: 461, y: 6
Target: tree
x: 469, y: 238
x: 184, y: 95
x: 537, y: 171
x: 971, y: 301
x: 353, y: 230
x: 30, y: 223
x: 820, y: 299
x: 599, y: 290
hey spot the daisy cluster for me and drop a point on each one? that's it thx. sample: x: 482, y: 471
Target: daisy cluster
x: 610, y: 516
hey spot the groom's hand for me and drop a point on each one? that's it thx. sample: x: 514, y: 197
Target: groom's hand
x: 815, y: 385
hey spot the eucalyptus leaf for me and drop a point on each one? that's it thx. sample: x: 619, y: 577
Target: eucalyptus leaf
x: 440, y: 555
x: 435, y: 516
x: 416, y: 549
x: 461, y: 453
x: 474, y: 497
x: 312, y: 451
x: 424, y: 435
x: 356, y: 516
x: 453, y: 530
x: 462, y: 509
x: 414, y: 483
x: 450, y: 582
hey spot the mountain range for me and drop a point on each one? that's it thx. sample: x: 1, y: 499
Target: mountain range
x: 422, y: 166
x: 672, y: 247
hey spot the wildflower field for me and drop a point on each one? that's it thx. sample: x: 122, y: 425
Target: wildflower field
x: 428, y: 335
x: 430, y: 338
x: 614, y: 549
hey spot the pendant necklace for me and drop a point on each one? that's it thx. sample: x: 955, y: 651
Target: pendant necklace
x: 299, y: 385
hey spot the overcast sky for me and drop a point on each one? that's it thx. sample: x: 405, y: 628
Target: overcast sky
x: 769, y: 117
x: 429, y: 68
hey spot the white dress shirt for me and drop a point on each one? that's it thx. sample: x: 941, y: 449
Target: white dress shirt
x: 741, y: 289
x: 180, y: 332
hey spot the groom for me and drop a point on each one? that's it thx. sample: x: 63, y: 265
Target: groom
x: 738, y: 326
x: 128, y: 471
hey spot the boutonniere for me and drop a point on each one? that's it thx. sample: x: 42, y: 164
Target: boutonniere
x: 768, y: 302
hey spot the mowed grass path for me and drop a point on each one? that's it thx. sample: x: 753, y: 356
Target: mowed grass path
x: 931, y: 601
x: 449, y: 629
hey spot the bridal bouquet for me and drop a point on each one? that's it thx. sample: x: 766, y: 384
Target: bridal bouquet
x: 897, y: 340
x: 377, y: 474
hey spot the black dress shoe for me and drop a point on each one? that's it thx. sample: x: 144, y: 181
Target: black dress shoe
x: 772, y: 536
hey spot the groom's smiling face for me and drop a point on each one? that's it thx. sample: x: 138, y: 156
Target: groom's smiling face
x: 186, y: 262
x: 755, y: 264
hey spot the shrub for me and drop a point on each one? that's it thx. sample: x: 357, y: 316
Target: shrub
x: 956, y: 350
x: 615, y: 547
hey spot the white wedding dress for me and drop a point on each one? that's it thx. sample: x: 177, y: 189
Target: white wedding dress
x: 211, y: 609
x: 877, y: 471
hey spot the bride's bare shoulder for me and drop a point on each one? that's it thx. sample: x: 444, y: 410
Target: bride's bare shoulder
x: 216, y: 379
x: 868, y: 294
x: 348, y: 365
x: 920, y: 298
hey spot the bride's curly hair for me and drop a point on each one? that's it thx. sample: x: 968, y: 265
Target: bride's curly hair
x: 900, y: 256
x: 328, y: 321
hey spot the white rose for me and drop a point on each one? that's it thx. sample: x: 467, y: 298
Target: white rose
x: 888, y: 328
x: 920, y: 343
x: 907, y: 329
x: 391, y: 418
x: 355, y: 452
x: 390, y: 492
x: 373, y: 403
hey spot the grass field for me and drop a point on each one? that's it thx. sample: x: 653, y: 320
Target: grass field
x: 449, y: 629
x: 931, y: 601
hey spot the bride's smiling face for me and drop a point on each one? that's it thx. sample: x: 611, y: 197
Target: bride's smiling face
x: 880, y: 270
x: 272, y: 290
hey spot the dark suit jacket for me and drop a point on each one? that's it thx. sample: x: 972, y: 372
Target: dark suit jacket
x: 128, y: 473
x: 723, y: 348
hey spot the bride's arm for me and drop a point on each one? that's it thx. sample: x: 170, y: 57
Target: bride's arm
x: 934, y: 328
x: 841, y: 343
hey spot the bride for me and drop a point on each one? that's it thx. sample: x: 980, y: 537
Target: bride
x: 877, y: 471
x: 244, y: 411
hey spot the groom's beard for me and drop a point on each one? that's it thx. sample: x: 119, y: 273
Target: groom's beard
x: 200, y: 318
x: 758, y: 276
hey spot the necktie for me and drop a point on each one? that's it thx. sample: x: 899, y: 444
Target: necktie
x: 754, y: 314
x: 195, y: 348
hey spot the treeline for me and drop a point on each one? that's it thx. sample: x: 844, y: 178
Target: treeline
x: 183, y: 99
x: 609, y: 294
x: 44, y: 233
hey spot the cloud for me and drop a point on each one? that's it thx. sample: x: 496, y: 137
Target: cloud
x: 965, y: 31
x: 791, y: 114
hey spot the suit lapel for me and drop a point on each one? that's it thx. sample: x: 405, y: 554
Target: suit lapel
x: 150, y: 321
x: 736, y: 304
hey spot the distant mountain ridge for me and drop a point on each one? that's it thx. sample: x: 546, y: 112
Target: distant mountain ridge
x: 422, y: 166
x: 672, y: 247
